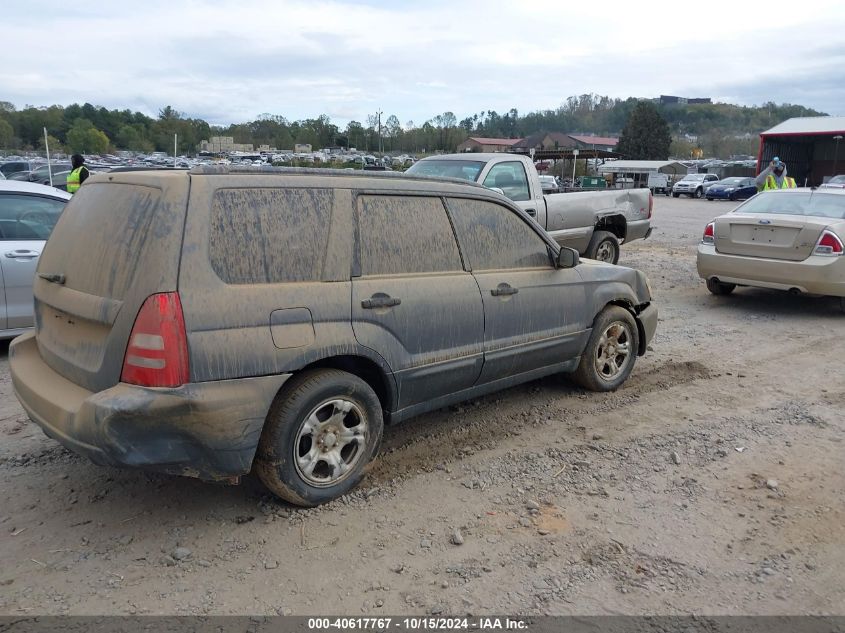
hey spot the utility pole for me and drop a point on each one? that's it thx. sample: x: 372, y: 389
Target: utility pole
x: 837, y: 138
x: 379, y: 113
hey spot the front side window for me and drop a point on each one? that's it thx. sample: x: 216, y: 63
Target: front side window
x: 269, y: 235
x: 511, y: 179
x: 405, y: 235
x: 25, y: 217
x: 494, y: 237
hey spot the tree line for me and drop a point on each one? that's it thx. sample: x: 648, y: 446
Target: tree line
x: 91, y: 129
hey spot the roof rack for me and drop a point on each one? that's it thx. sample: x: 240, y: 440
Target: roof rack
x: 222, y: 170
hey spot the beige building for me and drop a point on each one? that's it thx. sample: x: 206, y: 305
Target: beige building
x: 224, y: 144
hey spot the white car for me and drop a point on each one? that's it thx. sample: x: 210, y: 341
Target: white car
x: 694, y: 185
x: 28, y: 213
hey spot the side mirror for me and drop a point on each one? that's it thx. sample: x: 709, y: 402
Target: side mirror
x: 568, y: 258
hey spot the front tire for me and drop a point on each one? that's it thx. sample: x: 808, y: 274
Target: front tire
x: 604, y: 247
x: 611, y: 352
x: 323, y: 428
x: 698, y: 193
x: 720, y: 288
x: 676, y: 195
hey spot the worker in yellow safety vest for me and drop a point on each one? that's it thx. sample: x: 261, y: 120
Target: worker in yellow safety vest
x: 774, y: 177
x: 78, y: 174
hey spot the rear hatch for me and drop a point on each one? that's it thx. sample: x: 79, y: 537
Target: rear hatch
x: 117, y: 242
x: 787, y: 237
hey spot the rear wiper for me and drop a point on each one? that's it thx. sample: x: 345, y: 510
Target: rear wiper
x: 52, y: 278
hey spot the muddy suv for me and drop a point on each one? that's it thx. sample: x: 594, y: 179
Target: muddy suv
x: 205, y: 322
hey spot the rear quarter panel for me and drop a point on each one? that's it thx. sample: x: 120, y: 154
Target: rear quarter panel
x: 255, y: 329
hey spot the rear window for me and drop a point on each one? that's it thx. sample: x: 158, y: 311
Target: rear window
x: 269, y: 235
x: 464, y: 169
x: 826, y: 205
x: 101, y: 236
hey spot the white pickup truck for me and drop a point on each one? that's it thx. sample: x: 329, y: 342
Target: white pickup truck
x: 593, y: 222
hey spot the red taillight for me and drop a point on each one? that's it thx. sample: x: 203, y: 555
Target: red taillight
x: 829, y: 244
x: 157, y: 353
x: 708, y: 233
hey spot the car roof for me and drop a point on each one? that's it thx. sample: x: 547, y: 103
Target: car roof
x: 20, y: 186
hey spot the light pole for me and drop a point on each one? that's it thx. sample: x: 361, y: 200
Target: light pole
x: 837, y: 138
x: 379, y: 113
x: 574, y: 160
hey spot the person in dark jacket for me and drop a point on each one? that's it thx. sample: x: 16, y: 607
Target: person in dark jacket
x: 78, y: 174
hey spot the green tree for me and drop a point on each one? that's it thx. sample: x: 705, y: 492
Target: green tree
x: 84, y: 138
x: 7, y: 134
x: 54, y: 143
x: 646, y: 135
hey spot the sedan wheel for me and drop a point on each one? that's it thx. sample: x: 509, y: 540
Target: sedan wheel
x: 720, y: 288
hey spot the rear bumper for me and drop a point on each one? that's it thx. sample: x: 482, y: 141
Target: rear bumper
x: 637, y: 230
x: 815, y: 275
x: 207, y: 430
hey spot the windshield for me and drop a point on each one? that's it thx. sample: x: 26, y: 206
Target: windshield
x: 733, y: 182
x: 693, y: 177
x: 837, y: 180
x: 464, y: 169
x: 826, y: 205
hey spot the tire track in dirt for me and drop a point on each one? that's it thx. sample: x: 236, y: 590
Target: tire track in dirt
x: 437, y: 439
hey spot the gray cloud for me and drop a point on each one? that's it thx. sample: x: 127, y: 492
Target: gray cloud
x: 227, y: 62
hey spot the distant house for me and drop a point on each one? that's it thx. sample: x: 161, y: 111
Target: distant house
x: 585, y: 141
x: 545, y: 140
x: 481, y: 144
x: 302, y: 148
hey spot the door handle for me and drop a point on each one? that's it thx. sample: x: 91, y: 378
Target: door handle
x: 22, y: 254
x: 503, y: 290
x: 380, y: 301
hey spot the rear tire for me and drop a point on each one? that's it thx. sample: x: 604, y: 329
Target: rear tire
x: 842, y: 304
x: 720, y: 288
x: 323, y: 428
x: 603, y: 247
x: 610, y: 354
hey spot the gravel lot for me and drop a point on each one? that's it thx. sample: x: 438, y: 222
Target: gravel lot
x: 712, y: 483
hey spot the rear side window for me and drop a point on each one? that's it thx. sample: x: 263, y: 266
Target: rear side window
x: 269, y: 235
x: 511, y: 179
x: 405, y: 234
x: 494, y: 237
x: 27, y: 217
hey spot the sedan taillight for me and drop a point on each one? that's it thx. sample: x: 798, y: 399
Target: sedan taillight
x: 707, y: 238
x: 829, y: 244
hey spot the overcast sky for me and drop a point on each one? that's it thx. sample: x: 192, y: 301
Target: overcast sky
x: 227, y: 61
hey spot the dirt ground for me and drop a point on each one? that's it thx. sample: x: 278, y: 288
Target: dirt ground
x: 712, y: 483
